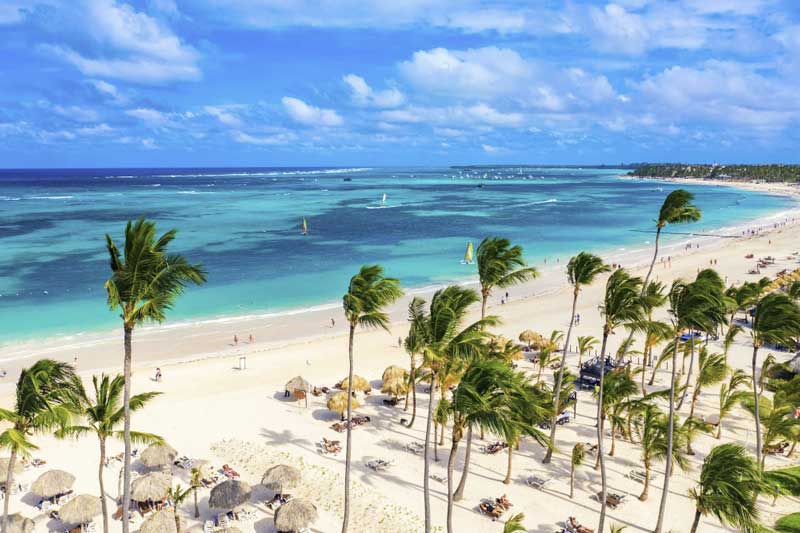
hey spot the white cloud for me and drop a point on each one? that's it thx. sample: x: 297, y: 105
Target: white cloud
x: 224, y: 114
x: 304, y: 113
x: 152, y: 117
x: 471, y: 116
x: 99, y: 129
x: 149, y: 143
x: 109, y: 90
x: 76, y: 113
x: 266, y: 140
x: 362, y: 94
x: 490, y: 149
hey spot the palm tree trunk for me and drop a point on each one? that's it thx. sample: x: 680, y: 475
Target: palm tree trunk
x: 126, y: 402
x: 196, y: 508
x: 348, y: 451
x: 507, y: 480
x: 645, y: 358
x: 436, y: 441
x: 9, y: 483
x: 413, y: 387
x: 103, y: 501
x: 557, y: 391
x: 600, y: 457
x: 696, y: 521
x: 459, y: 493
x: 646, y: 490
x: 756, y: 402
x: 426, y: 489
x: 670, y: 421
x: 689, y: 375
x: 451, y: 461
x: 613, y: 439
x: 177, y: 517
x: 653, y: 375
x: 601, y: 426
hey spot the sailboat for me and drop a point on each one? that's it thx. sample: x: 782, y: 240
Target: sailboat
x: 383, y: 200
x: 468, y: 255
x: 305, y: 226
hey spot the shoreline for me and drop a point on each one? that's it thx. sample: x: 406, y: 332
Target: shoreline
x: 14, y: 353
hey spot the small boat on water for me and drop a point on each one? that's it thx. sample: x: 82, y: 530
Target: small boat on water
x: 468, y: 255
x: 383, y: 200
x: 347, y: 179
x: 479, y: 186
x: 305, y: 226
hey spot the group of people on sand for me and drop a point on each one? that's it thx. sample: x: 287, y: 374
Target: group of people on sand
x: 250, y: 339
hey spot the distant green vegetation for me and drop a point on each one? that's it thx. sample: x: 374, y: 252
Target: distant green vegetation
x: 770, y: 173
x: 789, y: 523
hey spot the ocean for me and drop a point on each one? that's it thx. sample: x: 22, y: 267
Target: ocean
x: 244, y: 225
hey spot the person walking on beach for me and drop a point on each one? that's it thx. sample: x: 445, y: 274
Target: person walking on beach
x: 333, y: 322
x: 158, y: 375
x: 251, y: 339
x: 235, y: 340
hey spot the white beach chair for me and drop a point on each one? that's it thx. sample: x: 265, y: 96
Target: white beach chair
x: 538, y: 482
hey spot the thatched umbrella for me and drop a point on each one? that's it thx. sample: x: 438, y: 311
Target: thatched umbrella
x: 18, y: 466
x: 18, y: 524
x: 394, y: 372
x: 151, y: 487
x: 395, y: 387
x: 529, y: 337
x: 229, y: 494
x: 337, y: 402
x: 158, y: 455
x: 359, y: 384
x: 53, y: 483
x: 294, y: 515
x: 80, y: 509
x: 162, y: 521
x: 281, y: 478
x: 298, y: 383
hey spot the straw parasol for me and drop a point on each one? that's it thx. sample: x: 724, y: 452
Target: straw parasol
x: 295, y: 515
x: 80, y: 510
x: 18, y: 466
x: 394, y: 372
x: 158, y: 455
x: 529, y: 337
x: 53, y: 483
x: 337, y: 402
x: 18, y: 524
x: 281, y: 478
x: 229, y: 494
x: 298, y: 383
x: 151, y: 487
x: 395, y: 387
x: 359, y: 384
x: 162, y: 521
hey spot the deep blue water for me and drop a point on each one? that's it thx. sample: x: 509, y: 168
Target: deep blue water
x: 244, y: 226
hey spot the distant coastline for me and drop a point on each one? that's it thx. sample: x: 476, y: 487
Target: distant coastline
x: 769, y: 173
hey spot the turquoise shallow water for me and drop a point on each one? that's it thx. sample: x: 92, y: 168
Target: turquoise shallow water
x: 244, y: 225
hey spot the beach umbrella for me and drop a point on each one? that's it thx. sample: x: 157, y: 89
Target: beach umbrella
x: 151, y: 487
x: 158, y: 455
x: 359, y: 384
x: 53, y: 483
x: 229, y: 494
x: 529, y: 337
x: 395, y: 387
x: 338, y: 403
x: 394, y: 372
x: 298, y: 383
x: 281, y: 478
x: 295, y: 515
x: 18, y: 524
x: 162, y: 521
x: 80, y: 509
x: 18, y: 466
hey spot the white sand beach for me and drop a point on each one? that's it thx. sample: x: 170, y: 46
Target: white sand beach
x: 211, y: 409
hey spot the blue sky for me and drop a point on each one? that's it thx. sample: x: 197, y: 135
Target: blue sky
x: 95, y: 83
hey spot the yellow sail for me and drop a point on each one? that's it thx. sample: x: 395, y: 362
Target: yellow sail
x: 305, y: 226
x: 468, y: 255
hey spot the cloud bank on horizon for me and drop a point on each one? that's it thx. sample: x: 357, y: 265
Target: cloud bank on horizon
x: 270, y: 82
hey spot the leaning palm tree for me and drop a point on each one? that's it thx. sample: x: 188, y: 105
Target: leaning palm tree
x: 731, y: 395
x: 621, y: 305
x: 776, y: 321
x: 196, y: 481
x: 143, y: 286
x: 711, y: 369
x: 446, y: 339
x: 585, y: 345
x: 576, y: 460
x: 176, y: 496
x: 103, y: 413
x: 414, y: 344
x: 500, y: 265
x: 651, y: 429
x: 618, y: 387
x: 525, y: 408
x: 368, y: 294
x: 40, y: 406
x: 729, y: 483
x: 581, y: 272
x: 548, y: 354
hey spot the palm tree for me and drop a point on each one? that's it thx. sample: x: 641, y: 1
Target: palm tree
x: 547, y: 353
x: 576, y: 460
x: 582, y: 270
x: 414, y: 344
x: 525, y: 408
x: 446, y: 339
x: 729, y: 483
x: 621, y: 305
x: 368, y: 294
x: 196, y: 481
x: 500, y: 265
x: 585, y: 345
x: 39, y: 407
x: 651, y: 429
x: 777, y: 418
x: 766, y: 366
x: 514, y: 524
x: 691, y: 427
x: 143, y: 286
x: 103, y: 413
x: 711, y: 369
x: 776, y: 321
x: 677, y: 208
x: 655, y: 332
x: 794, y: 291
x: 176, y: 496
x: 730, y: 395
x: 618, y: 386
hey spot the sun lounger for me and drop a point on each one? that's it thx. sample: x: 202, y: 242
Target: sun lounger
x: 417, y: 448
x: 437, y: 477
x: 329, y: 447
x: 538, y: 482
x: 278, y: 500
x: 775, y: 449
x: 613, y: 500
x: 572, y: 525
x: 496, y: 508
x: 229, y: 472
x: 379, y: 465
x: 495, y: 447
